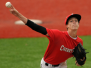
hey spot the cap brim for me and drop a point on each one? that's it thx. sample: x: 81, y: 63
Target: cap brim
x: 74, y: 15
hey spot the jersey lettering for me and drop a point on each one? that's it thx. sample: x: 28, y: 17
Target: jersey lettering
x: 66, y: 49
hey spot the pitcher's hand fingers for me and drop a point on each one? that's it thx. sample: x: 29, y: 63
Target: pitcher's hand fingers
x: 12, y: 7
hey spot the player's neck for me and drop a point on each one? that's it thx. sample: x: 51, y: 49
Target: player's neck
x: 72, y: 33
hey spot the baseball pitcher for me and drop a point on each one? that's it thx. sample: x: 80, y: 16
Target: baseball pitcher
x: 62, y: 44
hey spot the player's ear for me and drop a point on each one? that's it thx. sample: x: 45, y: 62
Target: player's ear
x: 67, y: 26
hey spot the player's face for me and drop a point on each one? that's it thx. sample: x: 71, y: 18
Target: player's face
x: 73, y: 24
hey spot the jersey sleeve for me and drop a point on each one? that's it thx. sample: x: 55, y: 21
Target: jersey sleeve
x: 53, y: 33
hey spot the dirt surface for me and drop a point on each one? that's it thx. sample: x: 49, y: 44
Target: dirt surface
x: 51, y: 12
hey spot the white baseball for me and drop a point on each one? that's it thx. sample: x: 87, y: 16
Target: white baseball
x: 8, y: 4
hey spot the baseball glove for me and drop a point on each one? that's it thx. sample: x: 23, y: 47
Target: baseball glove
x: 80, y: 54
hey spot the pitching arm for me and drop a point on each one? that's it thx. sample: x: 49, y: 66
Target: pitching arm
x: 29, y: 23
x: 36, y: 27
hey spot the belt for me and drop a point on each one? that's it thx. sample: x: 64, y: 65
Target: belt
x: 52, y: 65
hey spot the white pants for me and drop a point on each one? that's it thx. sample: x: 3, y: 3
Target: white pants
x: 50, y: 66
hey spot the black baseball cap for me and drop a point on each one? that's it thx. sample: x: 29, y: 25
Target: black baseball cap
x: 72, y: 15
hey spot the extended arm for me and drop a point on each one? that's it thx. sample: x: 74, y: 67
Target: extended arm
x: 28, y: 22
x: 36, y: 27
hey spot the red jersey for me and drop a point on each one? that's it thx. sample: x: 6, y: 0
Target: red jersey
x: 60, y: 46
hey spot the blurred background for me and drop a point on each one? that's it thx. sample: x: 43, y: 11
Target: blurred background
x: 22, y: 47
x: 52, y: 13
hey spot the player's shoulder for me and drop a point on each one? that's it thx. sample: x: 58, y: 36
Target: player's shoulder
x: 54, y: 30
x: 80, y: 40
x: 59, y: 31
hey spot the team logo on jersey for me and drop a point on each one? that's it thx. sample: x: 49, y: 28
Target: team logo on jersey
x: 62, y: 48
